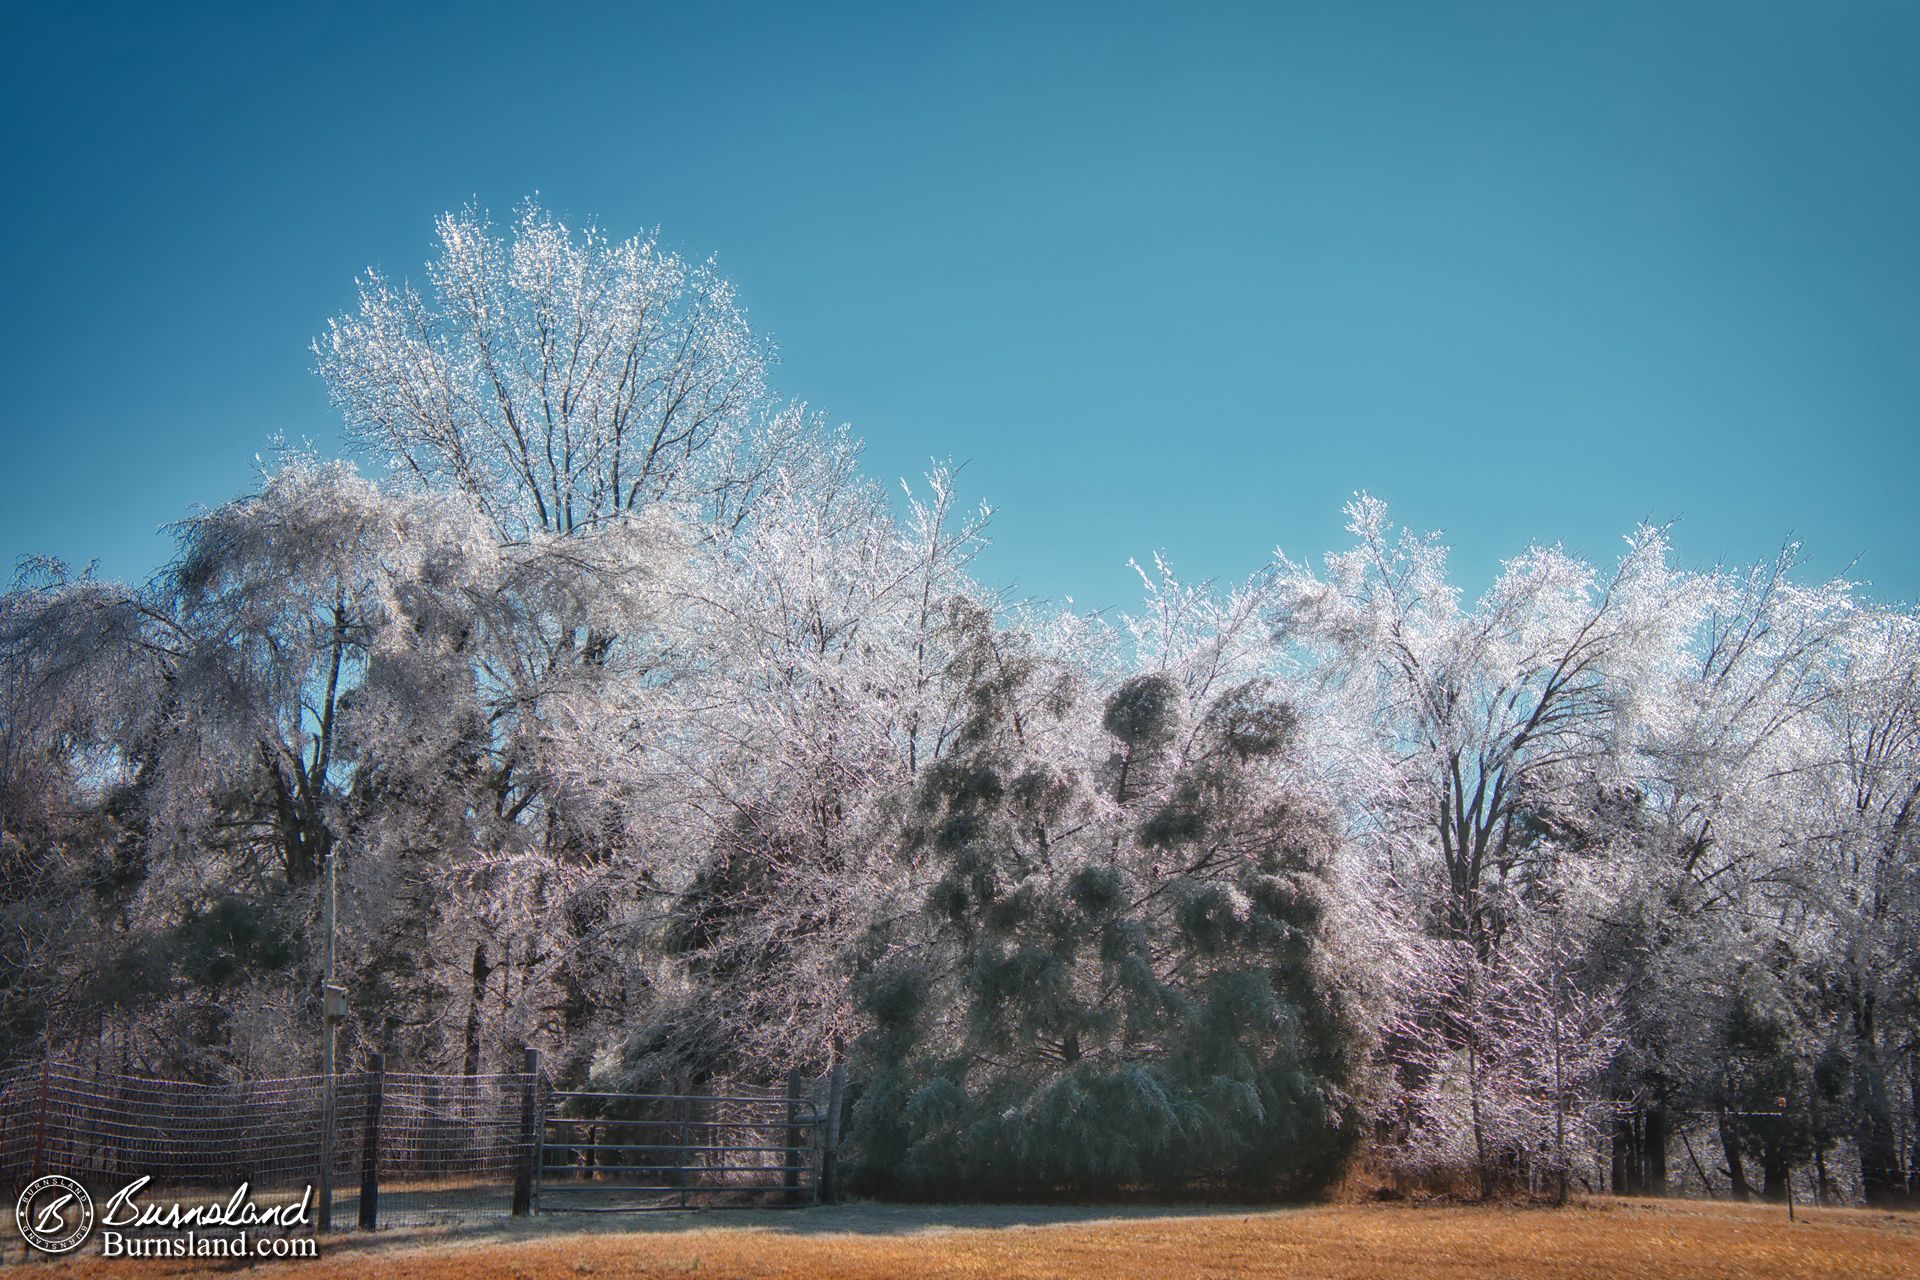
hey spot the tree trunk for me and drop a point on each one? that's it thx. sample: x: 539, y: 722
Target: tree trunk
x: 1653, y: 1180
x: 830, y: 1142
x: 475, y: 999
x: 1626, y: 1153
x: 1775, y: 1164
x: 1736, y: 1172
x: 1913, y: 1131
x: 1479, y: 1125
x: 1880, y: 1175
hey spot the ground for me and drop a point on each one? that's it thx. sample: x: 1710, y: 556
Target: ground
x: 1594, y: 1238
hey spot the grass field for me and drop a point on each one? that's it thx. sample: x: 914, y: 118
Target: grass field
x: 1595, y: 1238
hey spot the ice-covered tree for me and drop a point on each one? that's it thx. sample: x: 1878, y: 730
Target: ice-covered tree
x: 1115, y: 979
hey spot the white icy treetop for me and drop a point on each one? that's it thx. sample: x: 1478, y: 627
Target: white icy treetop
x: 561, y: 378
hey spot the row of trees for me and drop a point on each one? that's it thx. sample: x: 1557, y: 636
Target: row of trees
x: 638, y: 723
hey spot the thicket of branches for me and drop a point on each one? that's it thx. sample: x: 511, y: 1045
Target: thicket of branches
x: 639, y: 724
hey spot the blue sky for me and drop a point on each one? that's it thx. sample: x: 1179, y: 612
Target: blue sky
x: 1178, y: 277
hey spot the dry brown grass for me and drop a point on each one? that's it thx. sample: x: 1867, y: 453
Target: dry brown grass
x: 1595, y: 1238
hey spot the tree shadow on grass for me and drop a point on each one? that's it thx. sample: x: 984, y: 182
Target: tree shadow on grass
x: 856, y: 1219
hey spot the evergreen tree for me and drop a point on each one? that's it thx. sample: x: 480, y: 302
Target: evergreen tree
x: 1112, y: 984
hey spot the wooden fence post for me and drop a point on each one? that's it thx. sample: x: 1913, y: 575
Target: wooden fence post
x: 791, y: 1178
x: 40, y: 1124
x: 433, y: 1130
x: 830, y: 1141
x: 684, y: 1157
x: 376, y: 1079
x: 530, y: 1136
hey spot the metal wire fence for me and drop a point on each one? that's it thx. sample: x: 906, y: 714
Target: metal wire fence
x: 740, y: 1147
x: 406, y: 1149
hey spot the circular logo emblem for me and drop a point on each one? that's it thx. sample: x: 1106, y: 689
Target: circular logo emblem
x: 54, y: 1213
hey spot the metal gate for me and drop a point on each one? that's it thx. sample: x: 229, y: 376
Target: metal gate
x: 626, y: 1152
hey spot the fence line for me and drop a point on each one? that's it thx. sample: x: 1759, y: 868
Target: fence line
x: 426, y: 1148
x: 608, y: 1152
x: 409, y: 1148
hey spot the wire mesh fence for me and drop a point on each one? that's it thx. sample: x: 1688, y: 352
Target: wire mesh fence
x: 439, y: 1148
x: 406, y: 1149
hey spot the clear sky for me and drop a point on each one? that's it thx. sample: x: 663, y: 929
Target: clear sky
x: 1177, y: 276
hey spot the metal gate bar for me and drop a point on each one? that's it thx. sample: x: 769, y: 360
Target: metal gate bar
x: 570, y: 1170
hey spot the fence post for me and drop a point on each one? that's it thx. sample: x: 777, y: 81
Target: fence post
x: 40, y: 1123
x: 830, y: 1141
x: 530, y: 1137
x: 816, y: 1157
x: 376, y: 1080
x: 433, y: 1126
x: 539, y: 1157
x: 324, y: 1203
x: 791, y: 1178
x: 685, y: 1175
